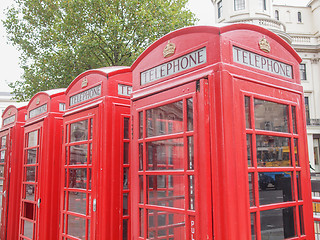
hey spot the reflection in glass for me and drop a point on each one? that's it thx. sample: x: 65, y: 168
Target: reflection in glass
x: 125, y: 153
x: 66, y: 160
x: 166, y: 224
x: 277, y: 224
x: 91, y: 128
x: 253, y: 226
x: 275, y: 187
x: 270, y: 116
x: 190, y: 113
x: 77, y: 202
x: 299, y: 186
x: 3, y: 155
x: 29, y: 192
x: 247, y: 109
x: 191, y: 192
x: 273, y: 151
x: 3, y: 142
x: 164, y: 190
x: 165, y: 154
x: 27, y: 229
x: 78, y: 178
x: 33, y: 138
x: 140, y: 156
x: 165, y: 119
x: 76, y: 226
x: 249, y: 150
x: 301, y: 220
x: 140, y: 125
x: 296, y: 152
x: 125, y: 204
x: 78, y: 154
x: 126, y: 128
x: 141, y: 189
x: 125, y: 178
x: 141, y: 221
x: 1, y: 171
x: 294, y: 120
x: 251, y: 189
x: 190, y: 153
x: 32, y: 156
x: 79, y: 131
x: 30, y: 174
x: 67, y: 133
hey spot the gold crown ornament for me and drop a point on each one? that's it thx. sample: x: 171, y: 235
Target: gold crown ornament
x: 264, y: 45
x: 84, y: 83
x: 169, y: 50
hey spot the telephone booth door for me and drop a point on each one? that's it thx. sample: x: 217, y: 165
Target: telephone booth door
x: 30, y: 201
x: 80, y: 169
x: 170, y: 168
x: 4, y: 177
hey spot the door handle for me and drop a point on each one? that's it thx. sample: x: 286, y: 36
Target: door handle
x: 39, y: 201
x: 94, y: 205
x: 5, y: 193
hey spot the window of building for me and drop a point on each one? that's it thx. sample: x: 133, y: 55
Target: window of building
x: 303, y: 72
x: 306, y: 103
x: 276, y: 14
x: 239, y: 5
x: 263, y: 5
x: 299, y: 17
x: 219, y: 9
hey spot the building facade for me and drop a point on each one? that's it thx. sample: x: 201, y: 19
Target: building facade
x: 299, y: 25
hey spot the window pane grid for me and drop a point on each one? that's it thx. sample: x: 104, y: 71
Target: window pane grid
x: 288, y: 184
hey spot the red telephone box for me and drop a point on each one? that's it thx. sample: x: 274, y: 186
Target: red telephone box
x: 11, y: 139
x: 219, y: 145
x: 39, y: 209
x: 95, y: 194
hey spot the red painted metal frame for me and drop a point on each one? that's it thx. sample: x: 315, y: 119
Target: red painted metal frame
x: 13, y: 130
x: 40, y: 202
x: 109, y: 110
x: 220, y: 119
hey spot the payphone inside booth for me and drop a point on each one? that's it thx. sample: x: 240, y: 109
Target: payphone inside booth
x: 11, y: 139
x: 96, y: 191
x: 39, y: 208
x: 219, y: 138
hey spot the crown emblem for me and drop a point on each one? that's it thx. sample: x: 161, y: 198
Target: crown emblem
x: 38, y: 101
x: 84, y: 83
x: 169, y: 50
x: 264, y: 45
x: 9, y: 113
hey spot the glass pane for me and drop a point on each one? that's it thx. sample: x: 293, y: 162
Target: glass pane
x: 299, y: 186
x: 165, y: 155
x: 125, y: 178
x: 140, y: 156
x: 32, y: 156
x: 33, y: 138
x: 76, y: 227
x: 140, y: 125
x: 249, y: 150
x: 30, y: 174
x: 141, y: 200
x: 28, y: 229
x: 126, y: 128
x: 191, y: 192
x: 190, y: 113
x: 91, y: 128
x: 296, y: 152
x: 28, y: 210
x: 251, y: 189
x: 3, y: 142
x: 125, y: 153
x: 165, y: 119
x: 78, y: 202
x: 270, y: 116
x: 125, y: 230
x: 29, y: 192
x: 253, y: 226
x: 3, y: 155
x: 67, y: 133
x: 301, y: 220
x: 278, y: 224
x: 125, y: 204
x: 90, y: 154
x: 166, y: 224
x: 275, y: 187
x: 294, y: 120
x: 190, y: 153
x: 1, y: 171
x: 79, y: 131
x: 78, y: 178
x: 78, y: 154
x: 141, y: 222
x: 247, y: 109
x: 166, y: 190
x: 273, y: 151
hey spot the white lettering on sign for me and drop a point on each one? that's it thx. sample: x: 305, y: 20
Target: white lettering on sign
x: 193, y: 229
x: 177, y: 65
x: 257, y: 61
x: 85, y: 95
x: 8, y: 120
x: 37, y: 111
x: 124, y: 90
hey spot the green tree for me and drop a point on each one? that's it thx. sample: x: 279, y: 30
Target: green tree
x: 59, y: 39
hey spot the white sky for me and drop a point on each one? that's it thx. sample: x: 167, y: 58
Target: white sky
x: 9, y: 56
